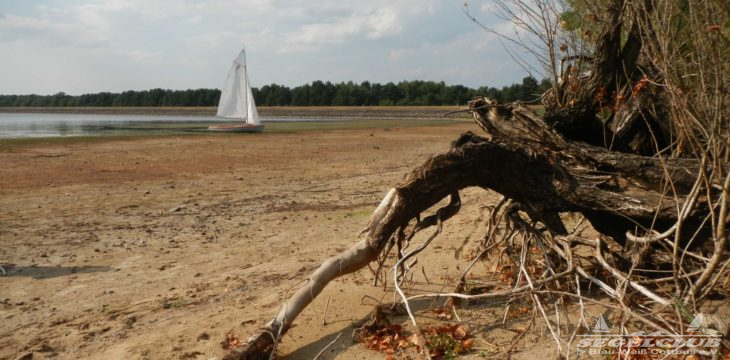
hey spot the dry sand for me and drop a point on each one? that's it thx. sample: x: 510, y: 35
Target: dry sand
x: 157, y: 247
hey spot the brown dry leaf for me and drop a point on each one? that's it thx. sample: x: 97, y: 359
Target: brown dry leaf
x: 387, y: 339
x: 402, y: 343
x: 231, y: 342
x: 442, y: 313
x: 416, y: 341
x: 460, y: 333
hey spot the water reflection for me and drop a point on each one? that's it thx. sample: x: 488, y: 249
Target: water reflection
x: 51, y: 125
x: 20, y: 125
x: 64, y: 129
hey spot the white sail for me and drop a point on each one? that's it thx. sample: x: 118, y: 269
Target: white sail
x: 236, y: 96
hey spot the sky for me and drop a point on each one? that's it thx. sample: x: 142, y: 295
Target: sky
x: 87, y: 46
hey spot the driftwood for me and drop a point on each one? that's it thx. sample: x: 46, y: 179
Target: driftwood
x: 525, y: 160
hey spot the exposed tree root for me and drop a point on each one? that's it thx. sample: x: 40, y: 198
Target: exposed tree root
x: 526, y: 161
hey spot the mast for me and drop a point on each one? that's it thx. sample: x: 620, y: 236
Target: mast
x: 252, y: 115
x: 244, y: 60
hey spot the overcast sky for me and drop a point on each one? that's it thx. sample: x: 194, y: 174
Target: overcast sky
x: 81, y: 46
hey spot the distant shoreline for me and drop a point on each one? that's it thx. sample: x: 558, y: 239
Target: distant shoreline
x: 413, y: 112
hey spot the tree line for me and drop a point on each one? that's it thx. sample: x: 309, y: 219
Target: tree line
x: 318, y: 93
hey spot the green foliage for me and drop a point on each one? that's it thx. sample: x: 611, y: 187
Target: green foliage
x: 318, y: 93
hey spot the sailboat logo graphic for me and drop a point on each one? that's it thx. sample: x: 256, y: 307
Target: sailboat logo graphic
x: 601, y: 326
x: 696, y: 323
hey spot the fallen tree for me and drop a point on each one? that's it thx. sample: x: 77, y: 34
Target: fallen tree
x: 522, y: 158
x: 619, y: 144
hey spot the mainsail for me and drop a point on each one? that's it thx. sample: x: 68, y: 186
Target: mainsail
x: 236, y: 96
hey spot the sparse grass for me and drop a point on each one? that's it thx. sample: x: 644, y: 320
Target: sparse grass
x: 363, y: 212
x: 174, y: 303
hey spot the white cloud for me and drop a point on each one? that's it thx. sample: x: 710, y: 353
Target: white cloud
x: 384, y: 23
x: 97, y: 17
x: 214, y: 39
x: 140, y: 56
x: 20, y: 22
x: 83, y: 25
x: 372, y: 24
x: 46, y: 11
x: 397, y: 54
x: 115, y: 45
x: 47, y: 31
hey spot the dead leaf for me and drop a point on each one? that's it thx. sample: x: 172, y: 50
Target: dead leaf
x: 231, y: 342
x: 460, y: 333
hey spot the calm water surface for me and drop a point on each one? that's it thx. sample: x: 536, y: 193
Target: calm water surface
x: 18, y: 125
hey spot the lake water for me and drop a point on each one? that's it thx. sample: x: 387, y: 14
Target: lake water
x: 25, y: 125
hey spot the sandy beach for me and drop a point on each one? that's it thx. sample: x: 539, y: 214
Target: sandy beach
x: 159, y: 247
x: 169, y: 247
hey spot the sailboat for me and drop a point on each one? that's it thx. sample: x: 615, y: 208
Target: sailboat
x: 237, y: 100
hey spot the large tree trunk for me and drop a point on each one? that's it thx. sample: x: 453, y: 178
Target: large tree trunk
x: 525, y: 160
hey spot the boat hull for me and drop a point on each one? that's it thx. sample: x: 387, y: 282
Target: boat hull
x: 237, y: 128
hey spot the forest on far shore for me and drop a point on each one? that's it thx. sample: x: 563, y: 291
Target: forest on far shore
x: 318, y: 93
